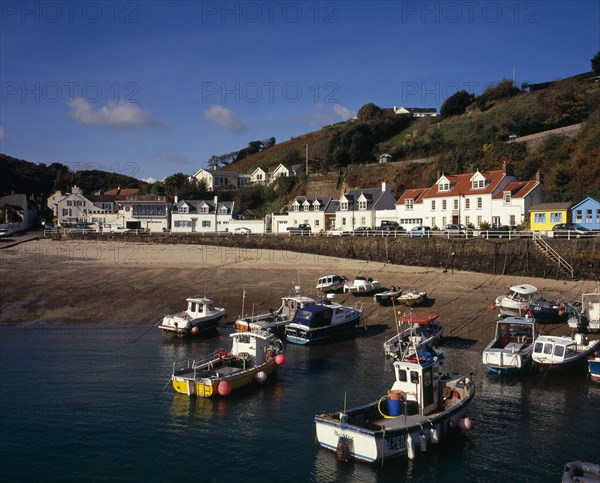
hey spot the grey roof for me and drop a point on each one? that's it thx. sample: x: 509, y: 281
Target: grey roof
x: 195, y: 205
x: 551, y: 206
x: 376, y: 199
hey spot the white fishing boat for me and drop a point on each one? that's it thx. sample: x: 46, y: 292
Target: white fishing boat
x: 563, y: 353
x: 252, y: 358
x: 362, y: 286
x: 322, y: 321
x: 421, y: 408
x: 412, y: 297
x: 275, y: 321
x: 594, y: 366
x: 387, y: 297
x: 331, y: 283
x: 516, y: 301
x: 419, y: 330
x: 201, y: 317
x: 588, y: 317
x: 510, y: 350
x: 581, y: 472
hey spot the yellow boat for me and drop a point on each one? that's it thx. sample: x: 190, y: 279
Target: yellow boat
x: 253, y: 357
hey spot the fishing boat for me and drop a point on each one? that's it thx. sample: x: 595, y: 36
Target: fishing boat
x: 588, y: 318
x: 515, y: 302
x: 275, y: 321
x: 548, y: 311
x: 581, y: 472
x: 421, y: 408
x: 331, y: 283
x: 411, y: 297
x: 201, y: 317
x: 252, y: 358
x: 322, y: 321
x: 420, y: 330
x: 362, y: 286
x: 387, y: 297
x: 563, y: 353
x: 594, y: 366
x: 510, y: 350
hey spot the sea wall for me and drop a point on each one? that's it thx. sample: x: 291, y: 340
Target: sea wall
x: 501, y: 257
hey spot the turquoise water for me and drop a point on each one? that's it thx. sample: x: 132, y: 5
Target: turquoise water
x: 85, y: 403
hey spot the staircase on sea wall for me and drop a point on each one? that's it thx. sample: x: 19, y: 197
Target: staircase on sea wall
x: 552, y: 255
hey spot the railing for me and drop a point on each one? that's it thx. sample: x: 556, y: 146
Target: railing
x: 552, y: 254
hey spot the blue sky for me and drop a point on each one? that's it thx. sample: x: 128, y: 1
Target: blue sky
x: 151, y: 88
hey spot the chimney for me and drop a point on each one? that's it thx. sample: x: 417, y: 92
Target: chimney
x: 384, y: 186
x: 176, y: 198
x: 538, y: 176
x: 439, y: 174
x: 508, y: 169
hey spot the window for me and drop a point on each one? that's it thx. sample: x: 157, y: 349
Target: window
x: 444, y: 221
x: 597, y: 216
x: 467, y: 220
x: 479, y: 203
x: 507, y: 197
x: 556, y: 217
x: 478, y: 184
x: 433, y: 221
x: 204, y: 210
x: 344, y: 205
x: 183, y: 209
x: 479, y: 221
x: 578, y: 216
x: 363, y: 221
x: 306, y: 206
x: 316, y: 223
x: 414, y: 377
x: 444, y: 186
x: 402, y: 375
x: 588, y: 216
x: 296, y: 207
x: 409, y: 204
x: 496, y: 220
x: 362, y: 205
x: 223, y: 210
x: 444, y: 205
x: 467, y: 204
x: 343, y: 221
x: 432, y: 205
x: 456, y: 204
x: 205, y: 223
x: 513, y: 221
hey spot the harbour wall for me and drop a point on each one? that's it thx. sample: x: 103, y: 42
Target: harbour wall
x: 500, y: 257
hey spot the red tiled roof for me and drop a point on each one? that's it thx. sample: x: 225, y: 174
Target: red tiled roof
x: 123, y: 192
x: 416, y: 194
x: 518, y: 189
x: 460, y: 184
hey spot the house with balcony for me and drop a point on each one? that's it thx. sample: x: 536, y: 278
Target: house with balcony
x: 216, y: 179
x: 587, y: 213
x: 144, y: 212
x: 543, y: 216
x: 365, y: 208
x: 201, y: 216
x: 495, y: 197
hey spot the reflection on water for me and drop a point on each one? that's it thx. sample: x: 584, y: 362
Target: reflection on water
x: 80, y: 403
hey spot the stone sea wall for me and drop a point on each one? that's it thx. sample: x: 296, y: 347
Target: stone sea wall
x: 501, y: 257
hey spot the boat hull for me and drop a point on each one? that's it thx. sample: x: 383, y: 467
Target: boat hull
x: 504, y: 361
x: 298, y: 334
x: 594, y: 369
x: 194, y: 328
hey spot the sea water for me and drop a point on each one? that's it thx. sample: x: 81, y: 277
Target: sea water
x: 80, y: 402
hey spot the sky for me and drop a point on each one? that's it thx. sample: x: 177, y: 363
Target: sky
x: 153, y: 88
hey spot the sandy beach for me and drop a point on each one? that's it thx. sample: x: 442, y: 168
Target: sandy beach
x: 112, y: 282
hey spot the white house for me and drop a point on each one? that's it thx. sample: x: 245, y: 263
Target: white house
x: 360, y: 207
x: 147, y: 212
x: 259, y: 175
x: 318, y: 212
x: 287, y: 170
x: 74, y: 207
x: 416, y: 111
x: 217, y: 179
x: 201, y: 216
x: 495, y: 197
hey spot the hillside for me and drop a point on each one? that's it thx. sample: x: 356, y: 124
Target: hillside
x: 474, y: 140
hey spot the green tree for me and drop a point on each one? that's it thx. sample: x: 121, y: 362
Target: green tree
x: 456, y: 104
x: 596, y: 63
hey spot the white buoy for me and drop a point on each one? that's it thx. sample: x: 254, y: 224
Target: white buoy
x: 435, y: 435
x: 423, y: 442
x: 260, y: 376
x: 464, y: 424
x: 410, y: 450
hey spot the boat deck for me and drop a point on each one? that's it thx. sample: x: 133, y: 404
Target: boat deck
x: 403, y: 421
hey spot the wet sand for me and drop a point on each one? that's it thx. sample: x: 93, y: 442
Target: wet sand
x: 112, y: 282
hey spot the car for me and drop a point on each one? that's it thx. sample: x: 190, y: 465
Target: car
x: 241, y: 230
x: 503, y: 231
x: 457, y: 231
x: 362, y: 231
x: 336, y: 232
x: 512, y: 137
x: 301, y: 229
x: 6, y: 230
x: 420, y: 231
x: 389, y: 230
x: 570, y: 230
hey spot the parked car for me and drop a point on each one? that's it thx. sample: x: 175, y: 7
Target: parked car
x: 570, y: 230
x: 420, y: 232
x: 457, y: 231
x: 503, y: 231
x: 362, y: 231
x: 241, y: 230
x: 301, y: 229
x: 389, y: 230
x: 336, y: 232
x: 6, y: 230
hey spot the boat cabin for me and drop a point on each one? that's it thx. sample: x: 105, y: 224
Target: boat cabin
x: 330, y: 281
x: 521, y: 293
x: 518, y: 331
x: 199, y: 307
x: 315, y: 316
x: 419, y: 382
x: 251, y: 346
x: 557, y: 349
x: 289, y: 305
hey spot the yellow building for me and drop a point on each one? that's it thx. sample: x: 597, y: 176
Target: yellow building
x: 543, y: 216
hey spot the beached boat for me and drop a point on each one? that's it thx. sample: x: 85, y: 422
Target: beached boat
x: 331, y: 283
x: 412, y: 297
x: 515, y: 302
x: 387, y: 297
x: 201, y: 317
x: 419, y: 330
x: 252, y: 358
x: 548, y: 311
x: 275, y: 321
x: 594, y: 366
x: 421, y: 408
x: 588, y: 318
x: 510, y: 350
x: 362, y: 286
x: 322, y: 321
x: 581, y: 472
x: 563, y: 353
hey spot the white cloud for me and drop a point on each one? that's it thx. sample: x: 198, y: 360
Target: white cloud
x: 117, y: 115
x: 1, y: 134
x: 343, y: 112
x: 150, y: 180
x: 226, y: 118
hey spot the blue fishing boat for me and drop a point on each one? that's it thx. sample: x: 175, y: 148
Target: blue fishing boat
x: 322, y: 321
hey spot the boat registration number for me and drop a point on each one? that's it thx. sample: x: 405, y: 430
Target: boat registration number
x: 394, y: 443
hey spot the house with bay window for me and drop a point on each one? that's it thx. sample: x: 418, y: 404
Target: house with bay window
x: 201, y: 216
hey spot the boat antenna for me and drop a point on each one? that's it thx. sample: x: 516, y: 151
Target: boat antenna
x: 243, y: 300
